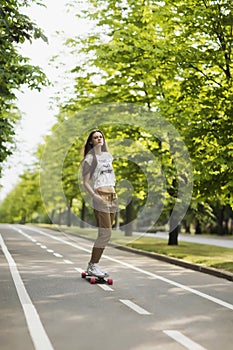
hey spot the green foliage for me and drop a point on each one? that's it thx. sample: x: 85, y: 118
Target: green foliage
x: 16, y: 70
x: 23, y: 204
x: 173, y: 57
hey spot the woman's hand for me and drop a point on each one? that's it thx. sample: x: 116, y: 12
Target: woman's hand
x: 97, y: 197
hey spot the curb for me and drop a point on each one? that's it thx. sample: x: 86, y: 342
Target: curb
x: 196, y: 267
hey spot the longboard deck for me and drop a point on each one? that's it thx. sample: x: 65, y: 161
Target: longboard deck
x: 96, y: 279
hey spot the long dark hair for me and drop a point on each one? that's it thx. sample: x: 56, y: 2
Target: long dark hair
x: 89, y: 149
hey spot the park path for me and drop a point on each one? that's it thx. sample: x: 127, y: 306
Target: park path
x: 217, y: 241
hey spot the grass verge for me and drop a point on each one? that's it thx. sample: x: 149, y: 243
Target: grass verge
x: 203, y: 254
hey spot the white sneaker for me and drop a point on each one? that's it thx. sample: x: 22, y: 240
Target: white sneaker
x: 93, y: 269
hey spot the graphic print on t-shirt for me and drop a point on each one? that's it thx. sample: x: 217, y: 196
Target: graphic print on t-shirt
x: 104, y: 173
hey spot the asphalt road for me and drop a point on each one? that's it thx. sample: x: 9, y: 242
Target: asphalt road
x: 45, y: 304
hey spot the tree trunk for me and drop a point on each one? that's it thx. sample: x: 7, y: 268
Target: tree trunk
x: 174, y: 229
x: 51, y: 217
x: 117, y: 224
x: 23, y: 219
x: 186, y: 226
x: 59, y: 216
x: 198, y: 228
x: 69, y: 213
x: 173, y: 236
x: 220, y: 220
x: 83, y: 214
x: 129, y: 219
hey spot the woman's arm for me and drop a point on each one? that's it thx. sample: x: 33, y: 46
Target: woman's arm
x: 86, y: 182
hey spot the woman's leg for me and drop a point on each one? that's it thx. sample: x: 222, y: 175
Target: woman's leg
x: 105, y: 214
x: 96, y: 255
x: 104, y: 234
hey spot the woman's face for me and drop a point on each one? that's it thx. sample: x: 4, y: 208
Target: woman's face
x: 97, y: 139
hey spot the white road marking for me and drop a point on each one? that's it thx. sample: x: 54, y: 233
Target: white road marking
x: 50, y: 251
x: 135, y: 307
x: 106, y: 288
x: 132, y: 267
x: 43, y: 246
x: 79, y: 270
x: 35, y: 327
x: 185, y: 341
x: 68, y: 262
x: 58, y: 255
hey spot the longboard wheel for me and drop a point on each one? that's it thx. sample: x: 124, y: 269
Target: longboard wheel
x: 110, y: 281
x: 92, y: 280
x: 83, y: 274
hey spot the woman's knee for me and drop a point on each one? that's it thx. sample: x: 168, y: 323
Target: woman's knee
x: 103, y: 237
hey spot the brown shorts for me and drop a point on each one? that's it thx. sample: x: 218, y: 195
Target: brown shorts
x: 105, y: 211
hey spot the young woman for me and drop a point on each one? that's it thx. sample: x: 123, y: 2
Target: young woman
x: 99, y: 180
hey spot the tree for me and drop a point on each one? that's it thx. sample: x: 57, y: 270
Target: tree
x: 16, y: 70
x: 130, y: 62
x: 173, y: 56
x: 202, y: 46
x: 23, y: 204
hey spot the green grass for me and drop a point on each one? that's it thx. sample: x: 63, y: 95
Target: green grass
x: 206, y: 255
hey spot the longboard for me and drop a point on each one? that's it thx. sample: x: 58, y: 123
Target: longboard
x: 96, y: 279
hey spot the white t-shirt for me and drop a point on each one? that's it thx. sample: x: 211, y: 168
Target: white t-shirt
x: 104, y: 173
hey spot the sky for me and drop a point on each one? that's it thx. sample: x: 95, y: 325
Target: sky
x: 37, y: 114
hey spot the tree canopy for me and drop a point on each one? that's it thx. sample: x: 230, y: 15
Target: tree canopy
x: 16, y: 70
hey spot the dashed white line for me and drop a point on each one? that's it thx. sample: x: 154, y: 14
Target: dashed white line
x: 185, y: 341
x: 68, y: 262
x: 58, y: 255
x: 135, y: 307
x: 78, y: 269
x: 50, y: 251
x: 105, y: 287
x: 43, y: 246
x: 35, y: 327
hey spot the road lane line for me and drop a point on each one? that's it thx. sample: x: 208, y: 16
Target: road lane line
x: 35, y: 327
x: 132, y: 267
x: 50, y: 251
x: 78, y: 269
x: 58, y: 255
x: 185, y: 341
x: 106, y: 288
x: 135, y: 307
x: 68, y: 262
x: 173, y: 283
